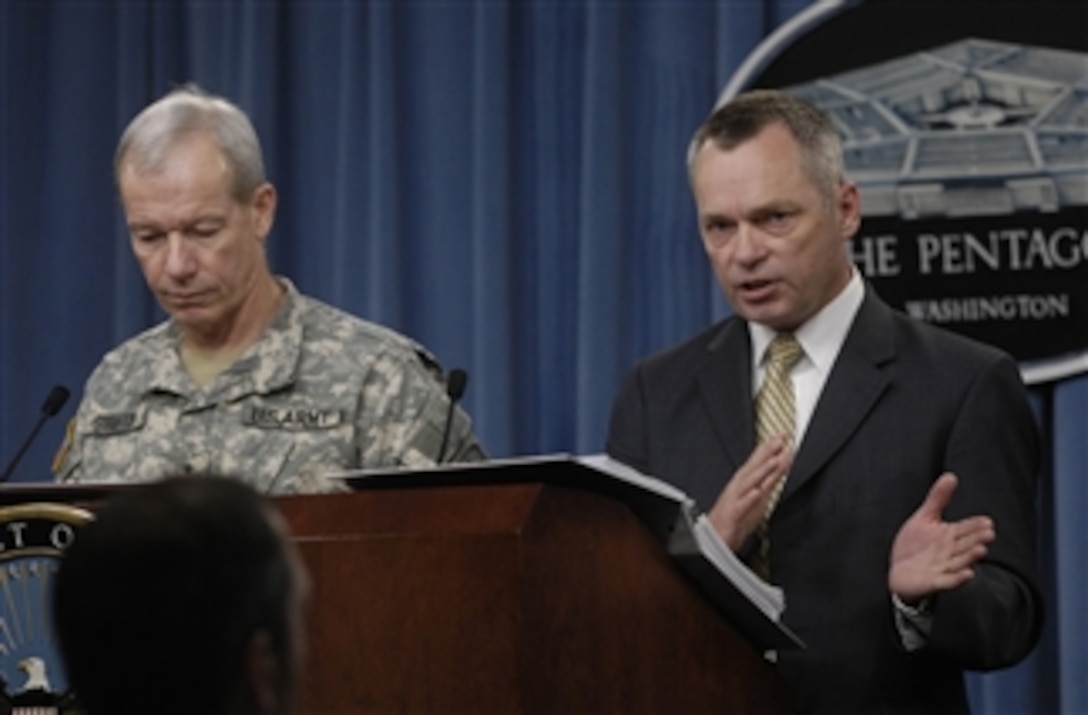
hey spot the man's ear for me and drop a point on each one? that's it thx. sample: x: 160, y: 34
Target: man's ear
x: 849, y: 204
x: 264, y: 209
x: 263, y: 674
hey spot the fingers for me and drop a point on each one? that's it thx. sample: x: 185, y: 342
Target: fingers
x: 954, y: 579
x: 772, y: 456
x: 947, y: 561
x: 773, y: 465
x: 970, y: 542
x: 976, y: 528
x: 958, y: 568
x: 768, y: 461
x: 741, y: 505
x: 939, y: 496
x: 765, y: 469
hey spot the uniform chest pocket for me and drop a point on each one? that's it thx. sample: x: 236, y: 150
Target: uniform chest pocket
x: 280, y: 441
x: 114, y: 424
x: 125, y: 446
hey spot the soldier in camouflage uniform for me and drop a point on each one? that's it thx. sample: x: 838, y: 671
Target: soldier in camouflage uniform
x: 248, y: 377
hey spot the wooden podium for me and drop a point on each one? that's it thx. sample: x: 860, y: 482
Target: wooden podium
x: 523, y: 597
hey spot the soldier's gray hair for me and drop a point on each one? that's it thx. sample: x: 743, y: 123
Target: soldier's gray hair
x: 740, y: 119
x: 183, y: 113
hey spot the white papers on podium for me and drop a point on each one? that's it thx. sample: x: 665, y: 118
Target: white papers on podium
x: 752, y: 605
x: 768, y: 598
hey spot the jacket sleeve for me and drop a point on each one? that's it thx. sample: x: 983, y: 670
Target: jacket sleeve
x: 995, y: 619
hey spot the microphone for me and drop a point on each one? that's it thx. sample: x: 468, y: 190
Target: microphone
x: 53, y: 402
x: 456, y: 383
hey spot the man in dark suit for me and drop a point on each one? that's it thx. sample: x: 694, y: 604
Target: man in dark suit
x: 902, y: 526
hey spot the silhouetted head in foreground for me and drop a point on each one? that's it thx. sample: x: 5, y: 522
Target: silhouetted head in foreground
x: 182, y: 596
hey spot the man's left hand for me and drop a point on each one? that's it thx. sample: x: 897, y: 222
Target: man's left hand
x: 930, y: 554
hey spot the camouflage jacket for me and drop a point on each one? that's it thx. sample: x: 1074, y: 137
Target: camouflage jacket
x: 320, y: 391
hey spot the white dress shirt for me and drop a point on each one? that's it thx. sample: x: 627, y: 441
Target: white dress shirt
x: 821, y: 337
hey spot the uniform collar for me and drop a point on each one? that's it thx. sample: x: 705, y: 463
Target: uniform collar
x: 268, y: 365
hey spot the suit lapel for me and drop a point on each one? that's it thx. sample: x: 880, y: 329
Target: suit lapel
x: 855, y: 384
x: 725, y: 385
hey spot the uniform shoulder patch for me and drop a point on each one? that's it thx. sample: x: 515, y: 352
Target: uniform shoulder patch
x: 65, y: 447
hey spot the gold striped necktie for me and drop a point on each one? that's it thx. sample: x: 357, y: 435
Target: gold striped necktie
x: 775, y: 414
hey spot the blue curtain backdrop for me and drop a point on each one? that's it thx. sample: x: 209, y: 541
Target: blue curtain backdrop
x: 502, y: 180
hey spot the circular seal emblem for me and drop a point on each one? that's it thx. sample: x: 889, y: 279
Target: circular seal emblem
x: 32, y: 539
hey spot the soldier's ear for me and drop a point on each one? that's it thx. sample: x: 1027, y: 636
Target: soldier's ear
x: 264, y: 209
x: 264, y: 674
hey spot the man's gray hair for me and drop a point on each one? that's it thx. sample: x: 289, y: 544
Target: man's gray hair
x: 186, y: 112
x: 740, y: 119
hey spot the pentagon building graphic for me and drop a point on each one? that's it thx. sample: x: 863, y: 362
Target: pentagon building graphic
x: 974, y: 128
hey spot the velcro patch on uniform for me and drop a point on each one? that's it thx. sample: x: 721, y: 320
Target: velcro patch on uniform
x: 116, y: 423
x: 66, y: 446
x: 292, y: 418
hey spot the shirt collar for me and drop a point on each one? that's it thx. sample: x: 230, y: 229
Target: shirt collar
x: 822, y: 335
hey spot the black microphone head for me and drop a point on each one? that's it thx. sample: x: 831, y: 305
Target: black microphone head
x: 456, y: 383
x: 55, y: 400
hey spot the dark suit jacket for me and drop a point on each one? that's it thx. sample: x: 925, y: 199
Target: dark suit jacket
x: 903, y: 403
